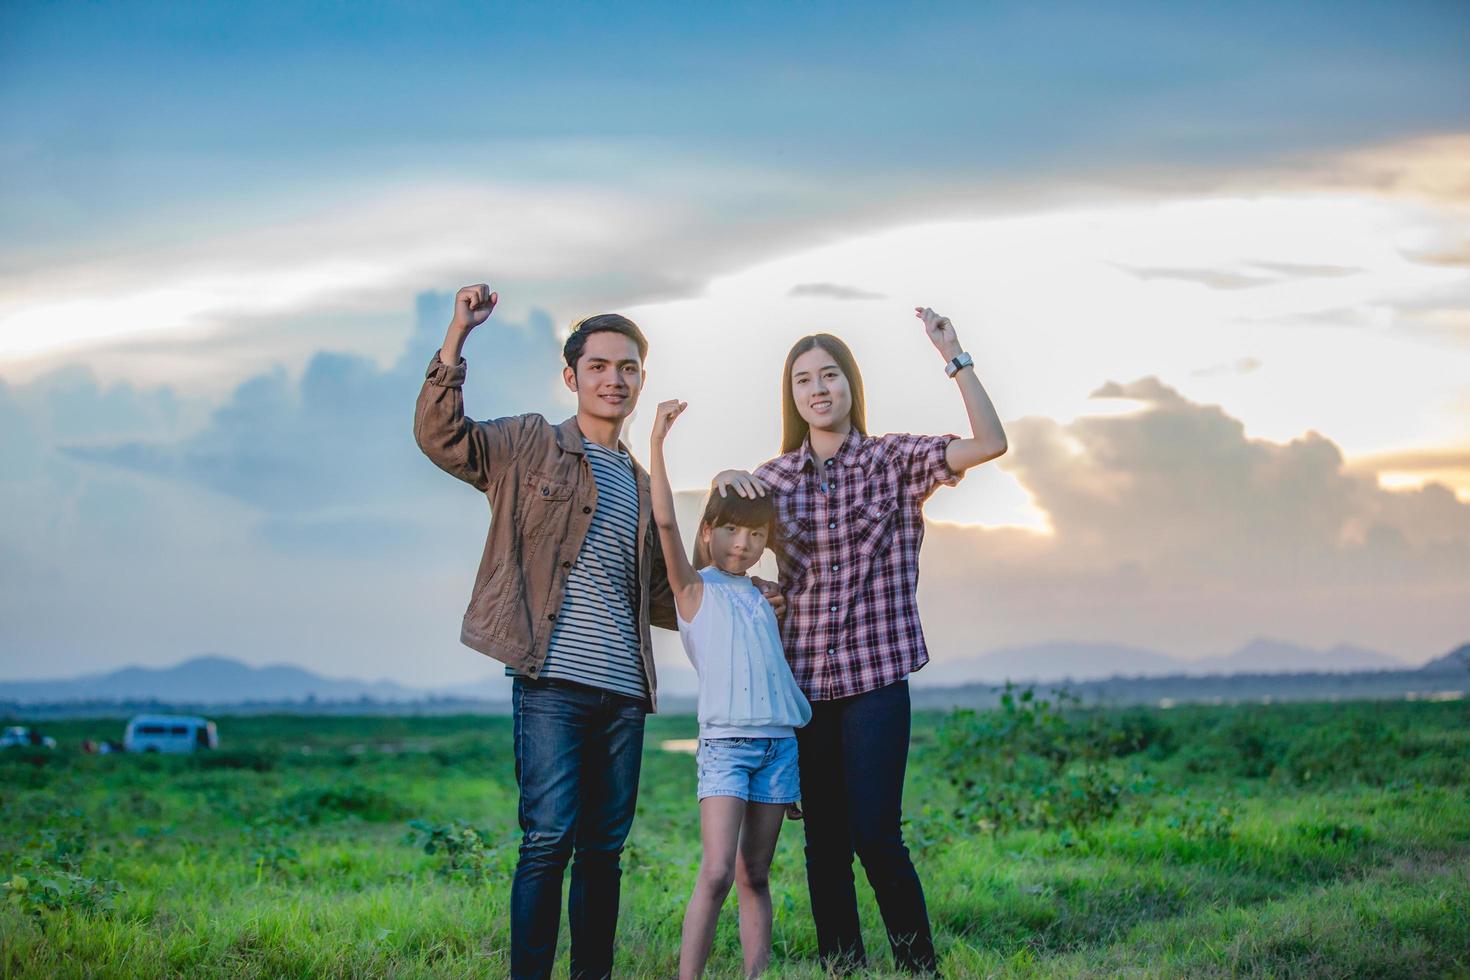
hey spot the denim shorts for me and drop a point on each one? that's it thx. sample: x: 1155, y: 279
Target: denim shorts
x: 758, y: 770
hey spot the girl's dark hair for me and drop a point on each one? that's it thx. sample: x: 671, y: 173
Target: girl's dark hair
x: 793, y: 427
x: 733, y: 509
x: 601, y: 323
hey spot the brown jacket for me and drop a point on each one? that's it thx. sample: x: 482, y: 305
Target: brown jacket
x: 541, y: 493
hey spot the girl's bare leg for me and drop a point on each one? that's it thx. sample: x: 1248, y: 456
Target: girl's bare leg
x: 719, y: 830
x: 758, y: 835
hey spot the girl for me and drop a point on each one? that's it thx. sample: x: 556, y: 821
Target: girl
x: 749, y: 708
x: 850, y: 523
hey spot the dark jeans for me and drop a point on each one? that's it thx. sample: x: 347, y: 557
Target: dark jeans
x: 578, y: 750
x: 853, y: 754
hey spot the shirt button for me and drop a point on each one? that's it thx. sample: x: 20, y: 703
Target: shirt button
x: 551, y: 616
x: 834, y: 608
x: 833, y: 525
x: 545, y: 491
x: 831, y: 650
x: 566, y: 564
x: 829, y: 462
x: 834, y: 568
x: 586, y: 510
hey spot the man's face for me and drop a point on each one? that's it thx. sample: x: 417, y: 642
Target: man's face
x: 608, y: 378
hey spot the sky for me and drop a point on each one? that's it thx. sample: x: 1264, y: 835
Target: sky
x: 1212, y: 261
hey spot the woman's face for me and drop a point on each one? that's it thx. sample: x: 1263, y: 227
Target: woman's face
x: 820, y: 390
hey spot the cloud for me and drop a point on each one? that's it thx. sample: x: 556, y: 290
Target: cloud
x: 1173, y: 529
x: 336, y: 438
x: 832, y: 290
x: 298, y: 522
x: 341, y: 252
x: 1213, y: 278
x: 1276, y: 272
x: 1454, y: 256
x: 294, y: 521
x: 294, y: 517
x: 1427, y: 168
x: 1244, y: 365
x: 1302, y: 270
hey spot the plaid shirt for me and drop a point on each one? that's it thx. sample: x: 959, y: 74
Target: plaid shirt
x: 847, y: 547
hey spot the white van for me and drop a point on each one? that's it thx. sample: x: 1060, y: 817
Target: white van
x: 169, y: 733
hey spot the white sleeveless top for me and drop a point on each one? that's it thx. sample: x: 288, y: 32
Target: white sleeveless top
x: 745, y: 685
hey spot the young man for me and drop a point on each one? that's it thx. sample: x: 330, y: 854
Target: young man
x: 570, y: 579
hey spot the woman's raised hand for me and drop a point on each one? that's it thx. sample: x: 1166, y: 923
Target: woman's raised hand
x: 741, y: 481
x: 472, y: 306
x: 941, y: 332
x: 664, y: 420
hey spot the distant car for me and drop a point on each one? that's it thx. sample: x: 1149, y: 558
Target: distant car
x: 169, y: 733
x: 20, y: 737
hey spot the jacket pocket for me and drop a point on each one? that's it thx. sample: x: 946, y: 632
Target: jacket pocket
x: 486, y: 602
x: 546, y: 502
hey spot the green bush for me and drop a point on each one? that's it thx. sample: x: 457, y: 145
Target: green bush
x: 466, y: 853
x: 1197, y: 819
x: 315, y: 804
x: 38, y: 886
x: 1030, y: 763
x: 46, y: 873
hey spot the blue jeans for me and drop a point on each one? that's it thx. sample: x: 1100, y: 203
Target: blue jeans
x: 853, y: 755
x: 578, y: 751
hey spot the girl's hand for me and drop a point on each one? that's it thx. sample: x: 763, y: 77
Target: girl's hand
x: 941, y: 332
x: 664, y: 420
x: 793, y: 811
x: 741, y: 481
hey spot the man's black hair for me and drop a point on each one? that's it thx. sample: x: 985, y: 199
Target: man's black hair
x: 602, y: 323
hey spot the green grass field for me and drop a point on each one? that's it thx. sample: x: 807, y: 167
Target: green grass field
x: 1326, y: 840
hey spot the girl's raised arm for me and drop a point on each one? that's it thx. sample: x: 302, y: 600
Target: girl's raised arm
x: 683, y: 579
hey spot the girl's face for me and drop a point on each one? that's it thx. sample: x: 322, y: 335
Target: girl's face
x: 820, y: 390
x: 732, y: 547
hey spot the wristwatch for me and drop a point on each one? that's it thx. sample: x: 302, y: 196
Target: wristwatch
x: 960, y: 362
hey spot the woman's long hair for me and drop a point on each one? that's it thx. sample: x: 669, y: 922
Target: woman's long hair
x: 733, y: 509
x: 794, y: 428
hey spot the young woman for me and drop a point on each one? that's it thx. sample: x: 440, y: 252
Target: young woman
x: 749, y: 708
x: 849, y: 507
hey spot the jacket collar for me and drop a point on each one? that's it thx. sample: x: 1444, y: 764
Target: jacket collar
x: 846, y: 453
x: 569, y: 438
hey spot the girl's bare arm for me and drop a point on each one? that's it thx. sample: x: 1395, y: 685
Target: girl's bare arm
x: 683, y: 579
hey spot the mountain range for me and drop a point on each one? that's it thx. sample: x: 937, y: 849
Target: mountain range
x: 220, y: 680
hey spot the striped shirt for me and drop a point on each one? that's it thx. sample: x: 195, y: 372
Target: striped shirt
x: 595, y: 639
x: 848, y: 552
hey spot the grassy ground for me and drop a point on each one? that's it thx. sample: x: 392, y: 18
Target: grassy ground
x: 1290, y: 840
